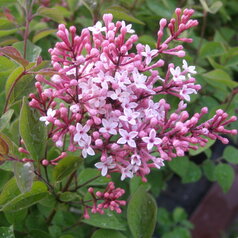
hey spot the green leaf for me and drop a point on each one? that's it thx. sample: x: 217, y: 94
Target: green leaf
x: 65, y: 167
x: 224, y: 175
x: 88, y: 174
x: 73, y: 5
x: 36, y: 233
x: 212, y: 49
x: 14, y: 54
x: 136, y: 182
x: 193, y: 173
x: 177, y: 232
x: 148, y: 39
x: 142, y: 214
x: 208, y: 168
x: 24, y: 200
x: 52, y: 13
x: 5, y: 176
x: 67, y: 236
x: 16, y: 217
x: 220, y: 78
x: 103, y: 233
x: 24, y: 173
x: 32, y: 131
x: 159, y: 9
x: 202, y: 149
x: 122, y: 14
x: 230, y: 154
x: 215, y: 7
x: 163, y: 217
x: 32, y: 51
x: 179, y: 165
x: 22, y: 85
x: 5, y: 119
x: 109, y: 220
x: 7, y: 32
x: 42, y: 34
x: 3, y: 3
x: 7, y: 232
x: 179, y: 214
x: 6, y: 67
x: 10, y: 191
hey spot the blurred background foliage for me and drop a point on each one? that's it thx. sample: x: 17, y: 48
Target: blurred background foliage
x: 214, y: 52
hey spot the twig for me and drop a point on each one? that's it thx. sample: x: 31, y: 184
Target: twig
x: 83, y: 184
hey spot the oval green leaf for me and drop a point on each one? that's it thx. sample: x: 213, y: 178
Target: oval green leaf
x: 24, y: 173
x: 142, y: 214
x: 224, y: 175
x: 24, y: 200
x: 32, y: 131
x: 109, y: 220
x: 230, y: 154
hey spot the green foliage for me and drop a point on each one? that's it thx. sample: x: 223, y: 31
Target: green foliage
x: 32, y: 51
x: 32, y: 131
x: 109, y: 220
x: 24, y: 174
x: 7, y: 232
x: 89, y: 174
x: 224, y: 175
x: 121, y: 13
x: 201, y: 149
x: 24, y: 200
x: 141, y: 214
x: 103, y: 233
x: 174, y: 224
x: 52, y: 13
x: 230, y: 154
x: 65, y: 167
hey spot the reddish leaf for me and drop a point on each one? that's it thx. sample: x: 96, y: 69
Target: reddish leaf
x: 14, y: 54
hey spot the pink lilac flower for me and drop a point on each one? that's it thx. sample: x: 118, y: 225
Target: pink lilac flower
x: 128, y: 27
x: 158, y: 162
x: 185, y: 91
x: 126, y: 172
x: 49, y: 115
x: 81, y: 132
x: 127, y: 137
x: 152, y: 140
x: 104, y: 166
x: 129, y: 116
x: 136, y: 160
x: 97, y: 28
x: 189, y: 69
x: 148, y: 54
x: 86, y: 147
x: 177, y: 76
x: 108, y: 127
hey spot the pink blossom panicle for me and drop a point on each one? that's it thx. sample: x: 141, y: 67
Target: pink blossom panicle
x: 101, y: 97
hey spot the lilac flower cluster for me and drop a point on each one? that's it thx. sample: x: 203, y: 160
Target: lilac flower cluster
x: 110, y: 197
x: 101, y: 97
